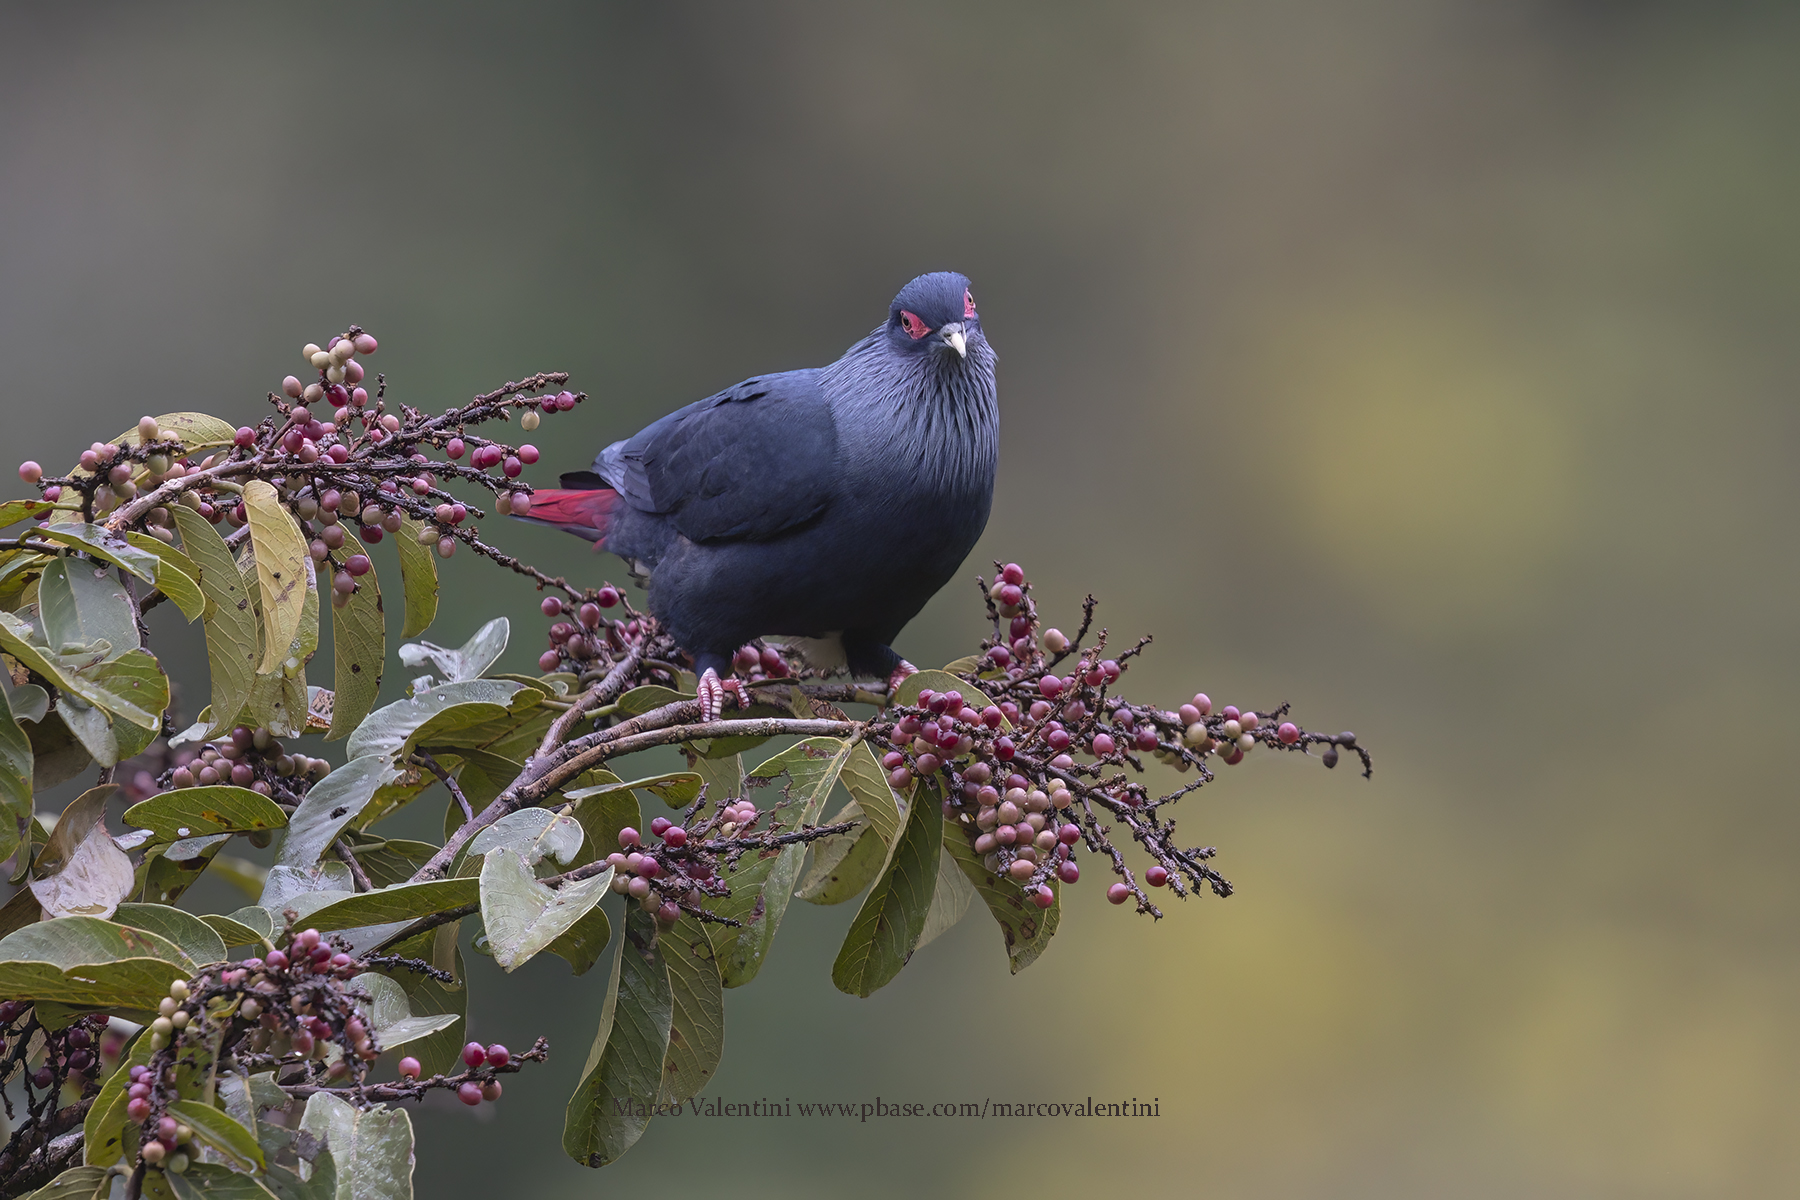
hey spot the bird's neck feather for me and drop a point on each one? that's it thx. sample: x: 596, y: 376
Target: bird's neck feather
x: 929, y: 419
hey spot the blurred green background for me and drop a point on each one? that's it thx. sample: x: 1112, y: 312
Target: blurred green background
x: 1429, y: 365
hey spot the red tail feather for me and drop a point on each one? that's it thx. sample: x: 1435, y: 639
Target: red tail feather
x: 582, y: 513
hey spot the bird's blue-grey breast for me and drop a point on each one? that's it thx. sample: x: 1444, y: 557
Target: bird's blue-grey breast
x: 827, y: 503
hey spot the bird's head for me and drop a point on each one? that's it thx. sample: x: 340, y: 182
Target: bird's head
x: 935, y: 314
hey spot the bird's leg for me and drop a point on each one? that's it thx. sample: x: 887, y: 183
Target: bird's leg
x: 899, y: 674
x: 712, y: 691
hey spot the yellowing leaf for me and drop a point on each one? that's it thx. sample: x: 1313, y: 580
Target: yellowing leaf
x: 358, y: 650
x: 418, y: 574
x: 230, y: 619
x: 280, y: 570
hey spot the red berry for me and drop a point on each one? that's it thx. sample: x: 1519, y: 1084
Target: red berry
x: 473, y: 1054
x: 548, y: 661
x: 409, y: 1068
x: 498, y: 1055
x: 660, y: 826
x: 1050, y: 686
x: 245, y: 436
x: 1203, y: 702
x: 30, y: 472
x: 1000, y: 656
x: 490, y: 1090
x: 454, y: 448
x: 589, y: 615
x: 276, y: 959
x: 357, y: 564
x: 608, y: 596
x: 552, y: 606
x: 1230, y: 712
x: 900, y: 778
x: 1003, y: 749
x: 528, y: 454
x: 1068, y: 872
x: 676, y: 836
x: 1118, y: 893
x: 1103, y: 744
x: 1156, y: 876
x: 992, y: 717
x: 1012, y: 573
x: 1069, y: 834
x: 628, y: 837
x: 1146, y: 739
x: 1011, y: 595
x: 365, y: 343
x: 512, y: 468
x: 470, y: 1092
x: 138, y: 1110
x: 1289, y: 733
x: 1249, y: 720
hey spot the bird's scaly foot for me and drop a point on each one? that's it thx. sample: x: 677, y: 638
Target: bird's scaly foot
x: 712, y: 691
x: 899, y: 674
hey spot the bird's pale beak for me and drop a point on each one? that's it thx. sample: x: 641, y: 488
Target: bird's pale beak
x: 953, y: 336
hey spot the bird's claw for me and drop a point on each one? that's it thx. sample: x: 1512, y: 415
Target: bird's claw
x: 898, y: 676
x: 712, y: 691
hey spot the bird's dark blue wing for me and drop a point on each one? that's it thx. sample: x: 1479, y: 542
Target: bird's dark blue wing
x: 746, y: 464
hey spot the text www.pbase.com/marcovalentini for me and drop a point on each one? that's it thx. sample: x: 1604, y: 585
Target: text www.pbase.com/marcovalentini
x: 863, y: 1110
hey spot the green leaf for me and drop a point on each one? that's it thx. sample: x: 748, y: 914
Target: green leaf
x: 331, y: 805
x: 208, y: 809
x: 372, y: 1150
x: 77, y: 1183
x: 103, y: 543
x: 843, y: 864
x: 84, y: 610
x: 176, y: 575
x: 521, y: 915
x: 288, y: 886
x: 104, y: 1129
x: 250, y: 926
x: 602, y: 815
x: 697, y: 1010
x: 438, y: 1052
x: 213, y: 1127
x: 418, y: 575
x: 16, y: 765
x: 390, y: 1016
x: 358, y: 651
x: 279, y: 698
x: 388, y: 729
x: 677, y: 789
x: 950, y: 902
x: 89, y: 962
x: 198, y: 940
x: 215, y: 1181
x: 280, y: 570
x: 722, y: 777
x: 231, y: 638
x: 14, y: 511
x: 57, y: 754
x: 880, y: 805
x: 1026, y: 928
x: 892, y: 916
x: 624, y: 1068
x: 534, y: 833
x: 195, y: 431
x: 168, y: 871
x: 471, y: 661
x: 649, y: 696
x: 581, y: 945
x: 132, y: 686
x: 762, y: 885
x: 403, y: 902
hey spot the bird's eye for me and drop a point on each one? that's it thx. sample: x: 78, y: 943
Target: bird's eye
x: 915, y: 328
x: 968, y: 304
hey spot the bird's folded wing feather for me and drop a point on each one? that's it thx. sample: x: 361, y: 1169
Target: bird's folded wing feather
x: 746, y: 464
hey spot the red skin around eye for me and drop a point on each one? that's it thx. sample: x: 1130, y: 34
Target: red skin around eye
x: 968, y: 304
x: 915, y: 328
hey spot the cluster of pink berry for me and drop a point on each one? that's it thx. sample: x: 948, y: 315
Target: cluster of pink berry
x: 167, y: 1143
x: 475, y: 1056
x: 575, y: 644
x: 675, y: 870
x: 69, y: 1051
x: 248, y: 758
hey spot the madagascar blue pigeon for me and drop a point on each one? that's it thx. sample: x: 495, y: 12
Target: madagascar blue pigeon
x: 825, y: 505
